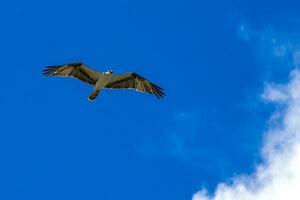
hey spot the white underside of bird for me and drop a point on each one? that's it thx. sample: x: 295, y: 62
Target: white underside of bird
x: 102, y: 80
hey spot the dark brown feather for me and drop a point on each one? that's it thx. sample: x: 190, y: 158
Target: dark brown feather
x: 137, y: 82
x: 75, y: 70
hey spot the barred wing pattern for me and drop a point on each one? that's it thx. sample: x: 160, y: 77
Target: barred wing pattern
x: 75, y: 70
x: 135, y: 81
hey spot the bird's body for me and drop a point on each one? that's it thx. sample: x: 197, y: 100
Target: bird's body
x: 102, y: 80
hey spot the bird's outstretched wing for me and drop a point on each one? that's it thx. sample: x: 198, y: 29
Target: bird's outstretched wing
x: 135, y: 81
x: 76, y: 70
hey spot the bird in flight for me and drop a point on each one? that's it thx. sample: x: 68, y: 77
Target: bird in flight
x: 102, y: 80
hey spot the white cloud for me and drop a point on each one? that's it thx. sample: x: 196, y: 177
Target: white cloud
x: 278, y: 176
x: 275, y: 93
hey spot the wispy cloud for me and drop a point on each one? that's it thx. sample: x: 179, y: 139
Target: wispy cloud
x: 278, y: 176
x: 273, y: 50
x: 180, y: 137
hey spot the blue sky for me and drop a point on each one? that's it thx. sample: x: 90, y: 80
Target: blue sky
x: 209, y: 56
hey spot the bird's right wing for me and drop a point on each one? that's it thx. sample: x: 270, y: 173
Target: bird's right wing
x: 76, y: 70
x: 136, y: 82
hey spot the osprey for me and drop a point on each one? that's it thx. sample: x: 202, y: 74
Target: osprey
x: 102, y: 80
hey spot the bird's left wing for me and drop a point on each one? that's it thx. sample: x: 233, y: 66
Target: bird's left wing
x: 76, y: 70
x: 135, y: 81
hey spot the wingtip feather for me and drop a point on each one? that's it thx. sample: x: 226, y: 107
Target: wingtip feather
x: 49, y: 70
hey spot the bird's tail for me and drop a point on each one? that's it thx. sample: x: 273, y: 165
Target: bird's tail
x: 94, y: 94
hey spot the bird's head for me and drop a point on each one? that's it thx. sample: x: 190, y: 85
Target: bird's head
x: 109, y: 72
